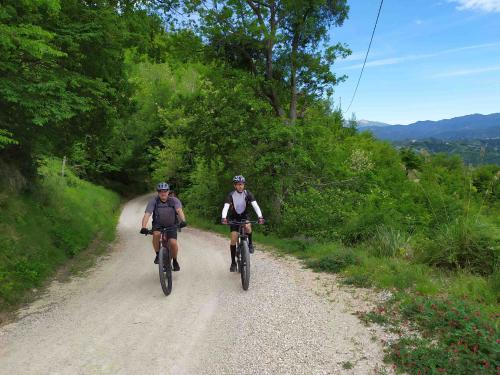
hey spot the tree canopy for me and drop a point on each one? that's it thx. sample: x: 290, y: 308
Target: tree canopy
x: 194, y: 92
x: 284, y: 44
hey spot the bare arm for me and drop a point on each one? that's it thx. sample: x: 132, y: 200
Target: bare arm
x: 145, y: 219
x: 181, y: 214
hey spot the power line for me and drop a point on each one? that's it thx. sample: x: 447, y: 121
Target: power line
x: 366, y: 57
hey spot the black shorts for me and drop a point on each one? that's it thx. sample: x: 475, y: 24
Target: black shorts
x: 171, y: 233
x: 241, y: 217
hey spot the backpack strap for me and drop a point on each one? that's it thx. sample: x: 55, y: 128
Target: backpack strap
x: 155, y: 209
x: 170, y: 204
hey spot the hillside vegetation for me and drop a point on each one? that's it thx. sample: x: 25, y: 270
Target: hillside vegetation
x: 476, y: 152
x: 244, y: 89
x: 42, y: 228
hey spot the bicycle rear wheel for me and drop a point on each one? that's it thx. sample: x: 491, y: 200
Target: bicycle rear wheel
x: 165, y: 270
x: 245, y: 265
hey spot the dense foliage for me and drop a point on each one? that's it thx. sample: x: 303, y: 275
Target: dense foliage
x: 41, y: 230
x: 318, y: 179
x: 63, y: 87
x: 242, y: 89
x: 129, y: 103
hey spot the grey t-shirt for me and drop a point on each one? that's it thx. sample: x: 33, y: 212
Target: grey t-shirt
x: 166, y: 211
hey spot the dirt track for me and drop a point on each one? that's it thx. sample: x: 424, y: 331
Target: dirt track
x: 116, y: 320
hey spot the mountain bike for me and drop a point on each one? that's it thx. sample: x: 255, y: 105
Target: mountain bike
x: 165, y: 259
x: 242, y: 252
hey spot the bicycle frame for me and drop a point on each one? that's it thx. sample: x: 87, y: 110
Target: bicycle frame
x: 164, y: 265
x: 242, y: 252
x: 163, y: 234
x: 164, y: 240
x: 242, y: 234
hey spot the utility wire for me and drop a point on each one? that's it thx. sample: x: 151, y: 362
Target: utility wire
x: 366, y: 57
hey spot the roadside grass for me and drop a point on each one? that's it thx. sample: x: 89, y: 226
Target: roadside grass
x: 455, y: 312
x: 84, y: 260
x: 333, y: 259
x: 285, y: 246
x: 438, y: 335
x: 40, y: 230
x: 347, y: 365
x: 360, y: 268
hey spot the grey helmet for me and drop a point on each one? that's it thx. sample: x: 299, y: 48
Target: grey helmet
x: 162, y: 186
x: 239, y: 178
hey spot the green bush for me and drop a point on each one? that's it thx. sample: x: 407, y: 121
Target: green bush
x: 358, y: 279
x: 456, y: 339
x: 389, y: 242
x: 494, y: 282
x: 473, y: 288
x: 331, y: 208
x: 335, y: 261
x: 473, y: 246
x: 487, y: 182
x: 391, y: 273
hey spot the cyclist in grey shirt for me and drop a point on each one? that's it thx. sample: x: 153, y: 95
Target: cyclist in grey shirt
x: 236, y: 208
x: 165, y: 211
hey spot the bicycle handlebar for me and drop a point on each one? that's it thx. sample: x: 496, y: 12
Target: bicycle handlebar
x: 164, y: 229
x: 232, y: 222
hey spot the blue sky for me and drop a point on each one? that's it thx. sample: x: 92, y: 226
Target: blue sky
x: 429, y: 59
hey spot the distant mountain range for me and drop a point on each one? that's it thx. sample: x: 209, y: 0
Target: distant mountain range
x: 368, y: 124
x: 474, y: 126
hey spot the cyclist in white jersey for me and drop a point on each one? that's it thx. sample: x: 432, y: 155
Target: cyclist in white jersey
x: 236, y: 209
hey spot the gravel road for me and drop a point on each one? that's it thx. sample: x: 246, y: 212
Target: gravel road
x: 116, y: 320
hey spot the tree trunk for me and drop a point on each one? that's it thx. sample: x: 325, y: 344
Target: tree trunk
x: 293, y: 80
x: 273, y: 96
x: 270, y: 89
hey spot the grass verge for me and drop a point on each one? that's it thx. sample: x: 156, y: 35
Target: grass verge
x: 454, y: 314
x: 41, y: 230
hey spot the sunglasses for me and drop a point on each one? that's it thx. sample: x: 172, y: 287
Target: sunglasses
x: 163, y: 191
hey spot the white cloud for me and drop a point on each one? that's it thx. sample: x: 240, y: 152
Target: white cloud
x: 388, y: 61
x: 474, y: 46
x: 398, y: 60
x: 484, y: 5
x: 467, y: 72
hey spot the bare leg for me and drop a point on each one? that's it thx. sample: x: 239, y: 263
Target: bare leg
x: 234, y: 238
x: 174, y: 247
x: 156, y: 241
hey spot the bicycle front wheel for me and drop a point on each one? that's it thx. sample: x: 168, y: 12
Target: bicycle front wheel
x: 245, y: 265
x: 165, y: 270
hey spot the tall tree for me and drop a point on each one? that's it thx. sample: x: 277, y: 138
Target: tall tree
x: 283, y: 42
x: 33, y: 91
x: 63, y: 80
